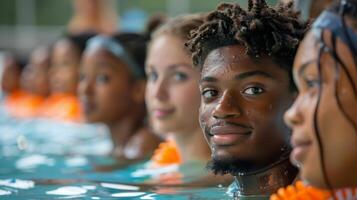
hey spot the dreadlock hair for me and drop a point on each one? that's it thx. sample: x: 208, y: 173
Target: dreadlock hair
x: 262, y: 30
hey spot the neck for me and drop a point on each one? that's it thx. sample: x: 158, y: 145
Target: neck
x: 266, y: 181
x: 192, y: 145
x: 122, y: 131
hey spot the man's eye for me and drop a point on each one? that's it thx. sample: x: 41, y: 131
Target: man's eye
x: 253, y: 90
x: 209, y: 94
x: 102, y: 78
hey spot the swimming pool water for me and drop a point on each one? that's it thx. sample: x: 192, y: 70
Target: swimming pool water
x: 41, y: 159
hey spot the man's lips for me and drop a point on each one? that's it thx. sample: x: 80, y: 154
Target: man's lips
x: 162, y: 113
x: 229, y: 129
x: 229, y: 134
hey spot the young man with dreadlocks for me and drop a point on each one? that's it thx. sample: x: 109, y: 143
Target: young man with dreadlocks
x: 245, y: 58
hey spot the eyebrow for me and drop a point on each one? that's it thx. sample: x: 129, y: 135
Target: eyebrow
x: 303, y: 66
x: 241, y: 76
x: 179, y: 65
x: 209, y: 79
x: 171, y: 67
x: 253, y: 73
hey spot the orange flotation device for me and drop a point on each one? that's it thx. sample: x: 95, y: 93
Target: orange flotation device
x: 23, y: 105
x: 301, y: 191
x: 166, y: 154
x: 64, y: 107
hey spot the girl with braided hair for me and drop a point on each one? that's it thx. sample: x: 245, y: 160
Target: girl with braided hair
x: 323, y: 117
x: 245, y: 58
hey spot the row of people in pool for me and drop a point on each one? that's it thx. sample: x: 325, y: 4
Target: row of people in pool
x: 239, y: 83
x: 244, y: 59
x: 47, y: 85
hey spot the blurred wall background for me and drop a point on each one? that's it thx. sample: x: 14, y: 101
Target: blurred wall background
x: 25, y: 24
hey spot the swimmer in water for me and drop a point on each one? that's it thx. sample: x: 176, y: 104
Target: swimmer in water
x: 111, y: 91
x: 245, y: 58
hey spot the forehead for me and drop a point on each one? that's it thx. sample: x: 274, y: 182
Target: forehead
x: 167, y: 50
x: 99, y: 54
x: 231, y: 60
x: 101, y: 59
x: 64, y: 45
x: 307, y: 51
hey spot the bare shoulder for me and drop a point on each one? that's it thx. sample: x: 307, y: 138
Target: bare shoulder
x: 142, y: 144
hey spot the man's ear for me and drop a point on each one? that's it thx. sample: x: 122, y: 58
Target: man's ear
x: 138, y: 91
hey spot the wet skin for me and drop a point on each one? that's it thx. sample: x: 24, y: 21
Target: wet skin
x: 337, y: 135
x: 242, y: 107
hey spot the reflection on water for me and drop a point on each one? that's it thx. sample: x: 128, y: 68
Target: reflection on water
x: 42, y: 159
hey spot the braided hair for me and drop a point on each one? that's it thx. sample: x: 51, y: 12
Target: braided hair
x: 262, y: 30
x: 348, y: 9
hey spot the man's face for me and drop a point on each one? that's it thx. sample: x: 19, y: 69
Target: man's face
x: 242, y: 106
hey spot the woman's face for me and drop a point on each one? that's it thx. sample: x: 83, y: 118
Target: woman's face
x: 172, y: 94
x: 105, y: 87
x: 65, y: 67
x: 337, y: 136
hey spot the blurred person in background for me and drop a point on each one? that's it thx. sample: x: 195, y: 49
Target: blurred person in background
x: 35, y: 83
x: 172, y: 94
x: 35, y: 78
x: 111, y: 90
x: 11, y: 76
x: 63, y: 104
x: 93, y: 16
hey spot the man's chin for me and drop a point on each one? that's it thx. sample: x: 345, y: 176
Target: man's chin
x: 228, y: 164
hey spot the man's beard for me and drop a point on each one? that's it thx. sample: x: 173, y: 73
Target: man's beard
x: 231, y: 166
